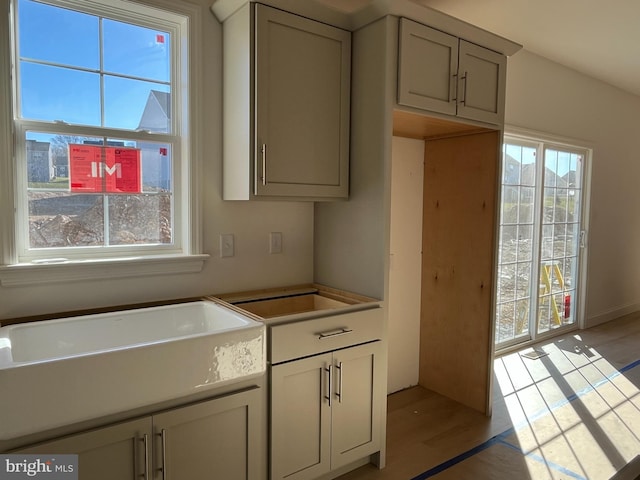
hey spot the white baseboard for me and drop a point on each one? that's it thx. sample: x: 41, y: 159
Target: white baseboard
x: 611, y: 314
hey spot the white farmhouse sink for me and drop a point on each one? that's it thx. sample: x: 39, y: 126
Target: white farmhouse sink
x: 59, y: 372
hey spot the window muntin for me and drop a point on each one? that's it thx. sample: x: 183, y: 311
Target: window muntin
x: 116, y: 89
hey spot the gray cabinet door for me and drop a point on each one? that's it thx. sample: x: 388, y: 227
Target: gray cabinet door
x: 325, y: 412
x: 481, y: 88
x: 219, y: 438
x: 301, y: 418
x: 427, y: 68
x: 356, y: 411
x: 115, y: 452
x: 441, y: 73
x: 302, y: 70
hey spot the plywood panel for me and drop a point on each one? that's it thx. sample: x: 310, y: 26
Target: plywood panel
x: 460, y: 184
x: 412, y: 125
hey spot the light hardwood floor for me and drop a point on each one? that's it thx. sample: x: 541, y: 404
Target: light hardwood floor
x: 573, y: 413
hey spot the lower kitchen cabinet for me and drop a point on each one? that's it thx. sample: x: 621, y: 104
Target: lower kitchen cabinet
x: 325, y: 412
x: 218, y: 438
x: 117, y: 451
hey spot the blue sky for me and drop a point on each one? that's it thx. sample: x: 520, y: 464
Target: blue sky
x: 60, y: 54
x: 557, y: 161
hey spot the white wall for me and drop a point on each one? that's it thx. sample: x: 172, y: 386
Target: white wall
x: 252, y: 267
x: 405, y: 265
x: 351, y: 237
x: 547, y: 97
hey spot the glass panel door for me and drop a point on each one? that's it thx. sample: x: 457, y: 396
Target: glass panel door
x: 517, y: 237
x: 539, y: 237
x: 560, y: 238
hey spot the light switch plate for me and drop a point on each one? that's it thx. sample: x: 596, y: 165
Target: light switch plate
x: 227, y: 245
x: 275, y: 242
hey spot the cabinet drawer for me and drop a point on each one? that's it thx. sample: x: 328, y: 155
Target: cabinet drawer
x: 310, y: 337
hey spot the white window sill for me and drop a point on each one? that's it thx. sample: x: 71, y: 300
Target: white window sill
x: 74, y: 271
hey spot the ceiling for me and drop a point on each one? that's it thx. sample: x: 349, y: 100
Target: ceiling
x: 598, y: 38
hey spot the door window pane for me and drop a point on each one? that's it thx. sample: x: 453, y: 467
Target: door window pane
x: 525, y: 210
x: 525, y: 243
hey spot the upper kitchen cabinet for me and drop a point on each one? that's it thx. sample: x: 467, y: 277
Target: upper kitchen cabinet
x: 441, y: 73
x: 286, y: 106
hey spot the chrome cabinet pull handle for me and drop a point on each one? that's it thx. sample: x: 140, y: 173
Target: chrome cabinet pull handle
x: 464, y: 88
x: 341, y: 373
x: 145, y: 441
x: 334, y: 333
x: 163, y: 465
x: 453, y: 86
x: 264, y: 164
x: 328, y: 396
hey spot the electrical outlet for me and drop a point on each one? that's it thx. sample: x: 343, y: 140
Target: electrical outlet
x: 227, y: 245
x: 275, y: 242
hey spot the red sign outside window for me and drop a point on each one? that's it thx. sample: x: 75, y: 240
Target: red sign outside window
x: 97, y: 169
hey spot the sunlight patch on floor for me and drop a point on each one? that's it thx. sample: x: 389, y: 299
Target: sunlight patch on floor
x: 574, y: 414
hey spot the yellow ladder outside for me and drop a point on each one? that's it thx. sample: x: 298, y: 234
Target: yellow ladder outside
x: 545, y: 287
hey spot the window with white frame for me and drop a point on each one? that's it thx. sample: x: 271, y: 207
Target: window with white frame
x: 102, y: 148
